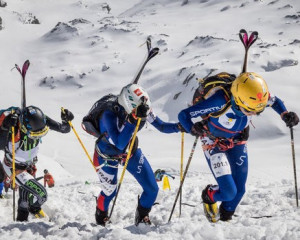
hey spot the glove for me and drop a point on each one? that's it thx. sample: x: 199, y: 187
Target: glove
x: 199, y: 128
x: 66, y: 115
x: 244, y: 135
x: 181, y: 128
x: 10, y: 121
x: 141, y: 111
x: 291, y: 119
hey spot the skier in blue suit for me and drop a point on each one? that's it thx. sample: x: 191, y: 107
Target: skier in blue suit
x: 114, y: 129
x: 224, y: 138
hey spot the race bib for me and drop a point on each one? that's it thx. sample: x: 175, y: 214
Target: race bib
x: 220, y: 165
x: 106, y: 182
x: 23, y: 177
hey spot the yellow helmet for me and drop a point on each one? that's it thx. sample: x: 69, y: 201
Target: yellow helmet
x: 250, y: 92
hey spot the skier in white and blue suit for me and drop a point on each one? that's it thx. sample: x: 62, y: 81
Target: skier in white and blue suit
x: 224, y: 138
x: 114, y: 129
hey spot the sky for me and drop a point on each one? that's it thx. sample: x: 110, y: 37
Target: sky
x: 80, y: 52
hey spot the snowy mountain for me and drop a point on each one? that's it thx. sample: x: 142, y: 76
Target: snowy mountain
x: 81, y: 50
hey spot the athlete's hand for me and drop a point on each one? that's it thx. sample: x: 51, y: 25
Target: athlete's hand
x: 199, y: 128
x: 141, y: 111
x: 66, y: 115
x: 10, y: 120
x: 291, y: 119
x: 181, y: 128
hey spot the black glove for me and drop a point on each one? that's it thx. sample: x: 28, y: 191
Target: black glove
x: 142, y: 110
x: 291, y: 119
x: 181, y: 128
x: 199, y: 128
x: 10, y: 120
x: 244, y: 135
x: 66, y: 115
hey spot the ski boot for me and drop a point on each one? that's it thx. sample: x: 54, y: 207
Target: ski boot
x: 224, y: 214
x: 40, y: 214
x: 142, y: 215
x: 22, y: 215
x: 101, y: 217
x: 209, y: 205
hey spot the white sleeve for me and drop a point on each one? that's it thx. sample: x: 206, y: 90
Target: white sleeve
x: 271, y: 100
x: 151, y: 116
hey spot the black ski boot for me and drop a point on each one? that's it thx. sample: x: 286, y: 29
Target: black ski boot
x: 142, y: 215
x: 101, y: 217
x: 22, y: 215
x: 225, y: 215
x: 209, y: 205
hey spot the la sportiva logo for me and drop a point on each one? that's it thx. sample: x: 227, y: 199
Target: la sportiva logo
x: 206, y: 111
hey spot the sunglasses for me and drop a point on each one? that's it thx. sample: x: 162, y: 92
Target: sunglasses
x: 253, y: 112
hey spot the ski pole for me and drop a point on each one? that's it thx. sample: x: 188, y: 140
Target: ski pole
x: 294, y: 164
x: 181, y: 170
x: 13, y: 172
x: 81, y: 143
x: 184, y: 175
x: 126, y: 163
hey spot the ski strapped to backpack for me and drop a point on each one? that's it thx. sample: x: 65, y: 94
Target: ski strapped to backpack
x: 247, y: 42
x: 23, y: 75
x: 152, y: 52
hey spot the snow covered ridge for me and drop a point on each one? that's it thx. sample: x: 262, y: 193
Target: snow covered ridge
x: 81, y: 51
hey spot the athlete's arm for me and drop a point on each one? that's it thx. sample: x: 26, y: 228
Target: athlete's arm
x: 118, y: 137
x: 160, y: 125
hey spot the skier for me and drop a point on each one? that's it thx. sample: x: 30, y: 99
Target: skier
x: 224, y: 136
x: 30, y: 126
x: 48, y: 179
x: 114, y: 127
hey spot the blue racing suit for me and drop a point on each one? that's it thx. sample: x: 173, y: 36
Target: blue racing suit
x: 229, y: 166
x: 116, y: 133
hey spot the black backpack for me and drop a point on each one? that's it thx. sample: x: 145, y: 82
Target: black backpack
x: 210, y: 85
x: 108, y: 102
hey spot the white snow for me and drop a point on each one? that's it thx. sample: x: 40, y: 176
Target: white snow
x: 75, y: 62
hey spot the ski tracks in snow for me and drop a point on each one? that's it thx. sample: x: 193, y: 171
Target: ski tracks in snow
x: 267, y: 210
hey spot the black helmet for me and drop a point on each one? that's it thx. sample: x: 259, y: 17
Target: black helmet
x: 33, y: 122
x: 45, y: 171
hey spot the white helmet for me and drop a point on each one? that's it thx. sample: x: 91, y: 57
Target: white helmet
x: 131, y: 96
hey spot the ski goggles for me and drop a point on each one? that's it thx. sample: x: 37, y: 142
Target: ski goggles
x: 35, y: 134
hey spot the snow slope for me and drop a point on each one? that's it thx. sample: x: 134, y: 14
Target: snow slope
x: 80, y: 52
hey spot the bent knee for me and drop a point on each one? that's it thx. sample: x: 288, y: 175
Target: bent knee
x: 229, y: 193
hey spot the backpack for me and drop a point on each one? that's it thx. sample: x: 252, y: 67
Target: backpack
x: 210, y: 85
x: 107, y: 102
